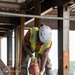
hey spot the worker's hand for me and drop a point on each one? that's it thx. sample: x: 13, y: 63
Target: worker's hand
x: 33, y: 58
x: 41, y: 73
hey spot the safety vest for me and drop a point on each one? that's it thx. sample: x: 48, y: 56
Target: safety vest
x: 33, y: 41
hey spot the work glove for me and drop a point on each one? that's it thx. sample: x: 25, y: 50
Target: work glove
x: 33, y: 58
x: 41, y: 73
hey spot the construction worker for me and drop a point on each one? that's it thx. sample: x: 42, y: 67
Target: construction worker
x: 39, y: 41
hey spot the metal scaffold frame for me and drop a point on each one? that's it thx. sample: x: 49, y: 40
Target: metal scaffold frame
x: 35, y: 16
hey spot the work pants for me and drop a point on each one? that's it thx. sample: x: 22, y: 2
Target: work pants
x: 25, y: 59
x: 48, y: 67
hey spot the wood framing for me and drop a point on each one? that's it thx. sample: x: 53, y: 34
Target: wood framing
x: 4, y: 68
x: 22, y: 20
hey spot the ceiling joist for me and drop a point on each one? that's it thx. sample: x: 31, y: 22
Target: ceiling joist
x: 11, y: 5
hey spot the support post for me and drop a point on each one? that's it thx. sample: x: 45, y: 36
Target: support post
x: 66, y: 25
x: 37, y: 11
x: 9, y: 51
x: 63, y: 41
x: 17, y: 52
x: 60, y: 42
x: 0, y: 47
x: 21, y: 35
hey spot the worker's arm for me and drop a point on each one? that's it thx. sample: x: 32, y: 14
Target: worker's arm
x: 43, y: 60
x: 26, y: 48
x: 26, y: 43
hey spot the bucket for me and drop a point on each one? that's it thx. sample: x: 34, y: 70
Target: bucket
x: 34, y: 68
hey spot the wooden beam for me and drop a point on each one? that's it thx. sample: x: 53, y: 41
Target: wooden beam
x: 11, y: 5
x: 4, y: 67
x: 12, y: 72
x: 2, y: 33
x: 22, y: 20
x: 9, y: 20
x: 37, y: 11
x: 59, y: 2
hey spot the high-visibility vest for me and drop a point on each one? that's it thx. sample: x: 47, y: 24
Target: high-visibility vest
x: 33, y: 41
